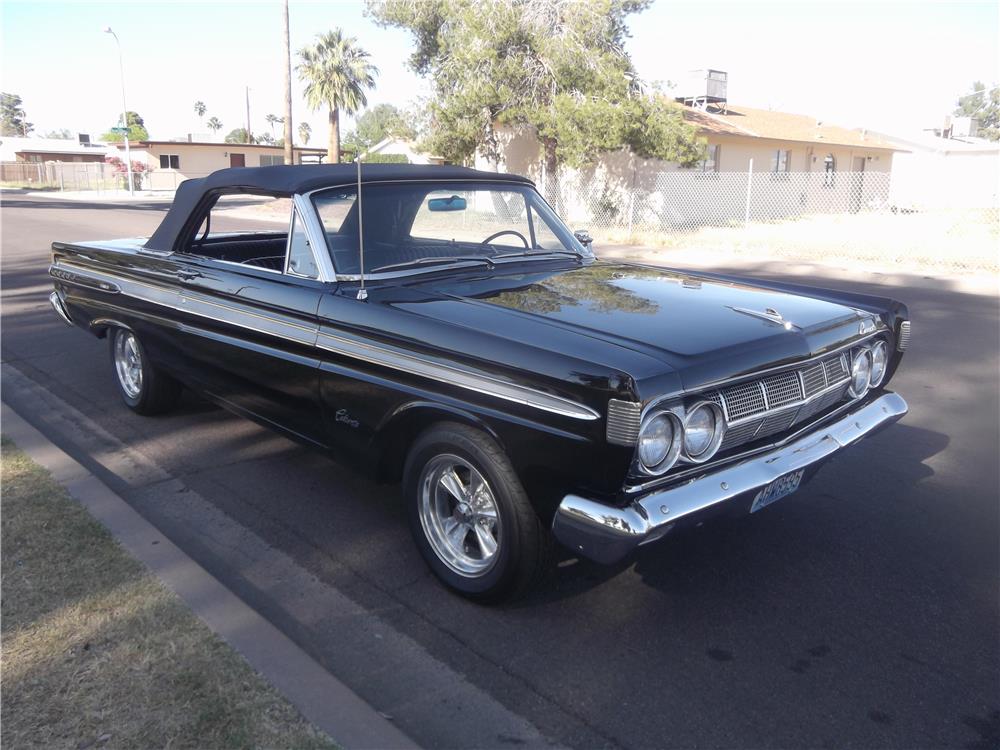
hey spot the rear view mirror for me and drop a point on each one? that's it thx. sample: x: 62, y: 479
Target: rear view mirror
x: 453, y: 203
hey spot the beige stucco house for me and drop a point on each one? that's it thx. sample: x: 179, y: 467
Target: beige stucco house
x: 737, y: 136
x: 168, y: 163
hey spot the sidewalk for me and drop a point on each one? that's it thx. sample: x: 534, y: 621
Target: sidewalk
x: 322, y: 699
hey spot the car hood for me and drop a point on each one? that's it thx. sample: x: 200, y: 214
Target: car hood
x: 705, y: 327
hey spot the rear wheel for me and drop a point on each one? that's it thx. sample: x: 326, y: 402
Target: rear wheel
x: 470, y: 516
x: 144, y: 388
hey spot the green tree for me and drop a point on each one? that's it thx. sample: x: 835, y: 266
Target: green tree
x: 214, y: 124
x: 378, y: 123
x: 337, y: 72
x: 13, y: 120
x: 984, y: 105
x: 63, y: 134
x: 200, y: 109
x: 266, y: 138
x: 136, y: 129
x: 238, y: 135
x: 272, y: 120
x: 304, y: 132
x: 557, y: 68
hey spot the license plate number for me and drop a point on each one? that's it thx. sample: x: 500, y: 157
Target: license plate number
x: 781, y: 487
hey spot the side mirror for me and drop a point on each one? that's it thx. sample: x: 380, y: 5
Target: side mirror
x: 584, y: 238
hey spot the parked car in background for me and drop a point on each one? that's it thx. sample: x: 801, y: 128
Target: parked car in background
x: 442, y: 327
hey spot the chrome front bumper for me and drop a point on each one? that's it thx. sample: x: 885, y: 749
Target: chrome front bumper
x: 607, y: 534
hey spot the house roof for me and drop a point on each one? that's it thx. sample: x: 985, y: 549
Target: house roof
x: 215, y: 144
x: 782, y: 126
x: 19, y: 145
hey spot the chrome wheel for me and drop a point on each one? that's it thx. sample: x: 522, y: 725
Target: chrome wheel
x: 459, y: 515
x: 128, y: 363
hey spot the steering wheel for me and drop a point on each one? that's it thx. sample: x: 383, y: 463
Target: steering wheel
x: 502, y: 232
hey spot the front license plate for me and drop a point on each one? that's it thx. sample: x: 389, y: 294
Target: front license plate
x: 779, y: 488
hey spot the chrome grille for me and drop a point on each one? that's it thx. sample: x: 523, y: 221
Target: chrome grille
x: 836, y: 369
x: 904, y: 335
x: 782, y: 389
x: 783, y: 406
x: 778, y: 422
x: 814, y: 379
x: 744, y: 400
x: 624, y: 418
x: 739, y: 435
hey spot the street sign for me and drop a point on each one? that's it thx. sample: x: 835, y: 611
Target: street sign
x: 119, y: 130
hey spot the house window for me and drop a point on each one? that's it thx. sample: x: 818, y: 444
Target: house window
x: 267, y: 160
x: 711, y: 161
x: 780, y: 160
x: 829, y: 170
x: 170, y: 161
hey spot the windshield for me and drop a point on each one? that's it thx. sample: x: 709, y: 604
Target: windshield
x: 433, y: 224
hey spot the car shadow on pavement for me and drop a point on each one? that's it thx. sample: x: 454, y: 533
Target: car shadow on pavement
x: 738, y: 547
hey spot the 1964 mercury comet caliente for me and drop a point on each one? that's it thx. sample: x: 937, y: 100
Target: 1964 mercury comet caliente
x: 448, y: 330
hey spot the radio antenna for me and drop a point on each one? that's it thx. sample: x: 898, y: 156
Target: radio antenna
x: 362, y: 292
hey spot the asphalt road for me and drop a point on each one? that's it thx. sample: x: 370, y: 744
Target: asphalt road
x: 862, y: 612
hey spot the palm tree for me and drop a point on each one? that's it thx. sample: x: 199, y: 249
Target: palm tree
x: 271, y: 120
x: 200, y: 109
x: 336, y: 72
x: 214, y: 124
x: 286, y: 64
x: 304, y: 132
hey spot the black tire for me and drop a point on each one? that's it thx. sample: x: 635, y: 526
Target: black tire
x: 524, y: 545
x: 156, y: 392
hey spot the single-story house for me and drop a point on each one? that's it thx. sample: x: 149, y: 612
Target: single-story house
x: 736, y: 136
x: 943, y: 170
x: 168, y: 163
x: 399, y: 147
x: 40, y: 150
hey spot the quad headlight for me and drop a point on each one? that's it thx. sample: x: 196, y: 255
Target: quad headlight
x: 880, y: 361
x: 861, y: 372
x: 660, y: 439
x: 704, y: 427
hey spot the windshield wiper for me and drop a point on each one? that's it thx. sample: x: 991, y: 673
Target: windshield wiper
x: 488, y: 262
x: 539, y: 253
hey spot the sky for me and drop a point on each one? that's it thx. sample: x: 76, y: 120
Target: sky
x: 890, y: 66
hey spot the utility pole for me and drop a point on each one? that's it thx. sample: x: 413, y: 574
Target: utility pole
x: 128, y: 153
x: 249, y: 134
x: 289, y: 152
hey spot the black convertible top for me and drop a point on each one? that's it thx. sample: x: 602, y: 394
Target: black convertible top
x: 301, y: 178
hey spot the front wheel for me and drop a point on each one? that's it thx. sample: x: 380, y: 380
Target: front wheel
x: 144, y: 388
x: 470, y: 516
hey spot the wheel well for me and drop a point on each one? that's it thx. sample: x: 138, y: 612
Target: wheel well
x: 396, y: 437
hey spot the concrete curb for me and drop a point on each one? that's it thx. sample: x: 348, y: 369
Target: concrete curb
x: 321, y: 698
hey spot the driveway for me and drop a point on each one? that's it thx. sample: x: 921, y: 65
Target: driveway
x: 861, y: 612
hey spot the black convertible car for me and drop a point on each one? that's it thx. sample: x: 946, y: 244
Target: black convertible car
x: 442, y: 326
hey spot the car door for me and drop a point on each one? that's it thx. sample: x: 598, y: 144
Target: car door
x: 249, y: 333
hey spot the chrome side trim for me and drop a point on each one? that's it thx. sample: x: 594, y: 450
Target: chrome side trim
x: 454, y: 375
x: 397, y: 359
x: 607, y: 534
x: 59, y: 306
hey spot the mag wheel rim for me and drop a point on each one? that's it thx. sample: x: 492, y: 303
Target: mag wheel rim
x: 460, y: 516
x: 128, y: 364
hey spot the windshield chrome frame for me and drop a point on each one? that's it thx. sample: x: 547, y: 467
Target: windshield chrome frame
x: 314, y: 229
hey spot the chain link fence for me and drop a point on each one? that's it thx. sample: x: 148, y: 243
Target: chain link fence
x: 854, y: 217
x: 808, y: 216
